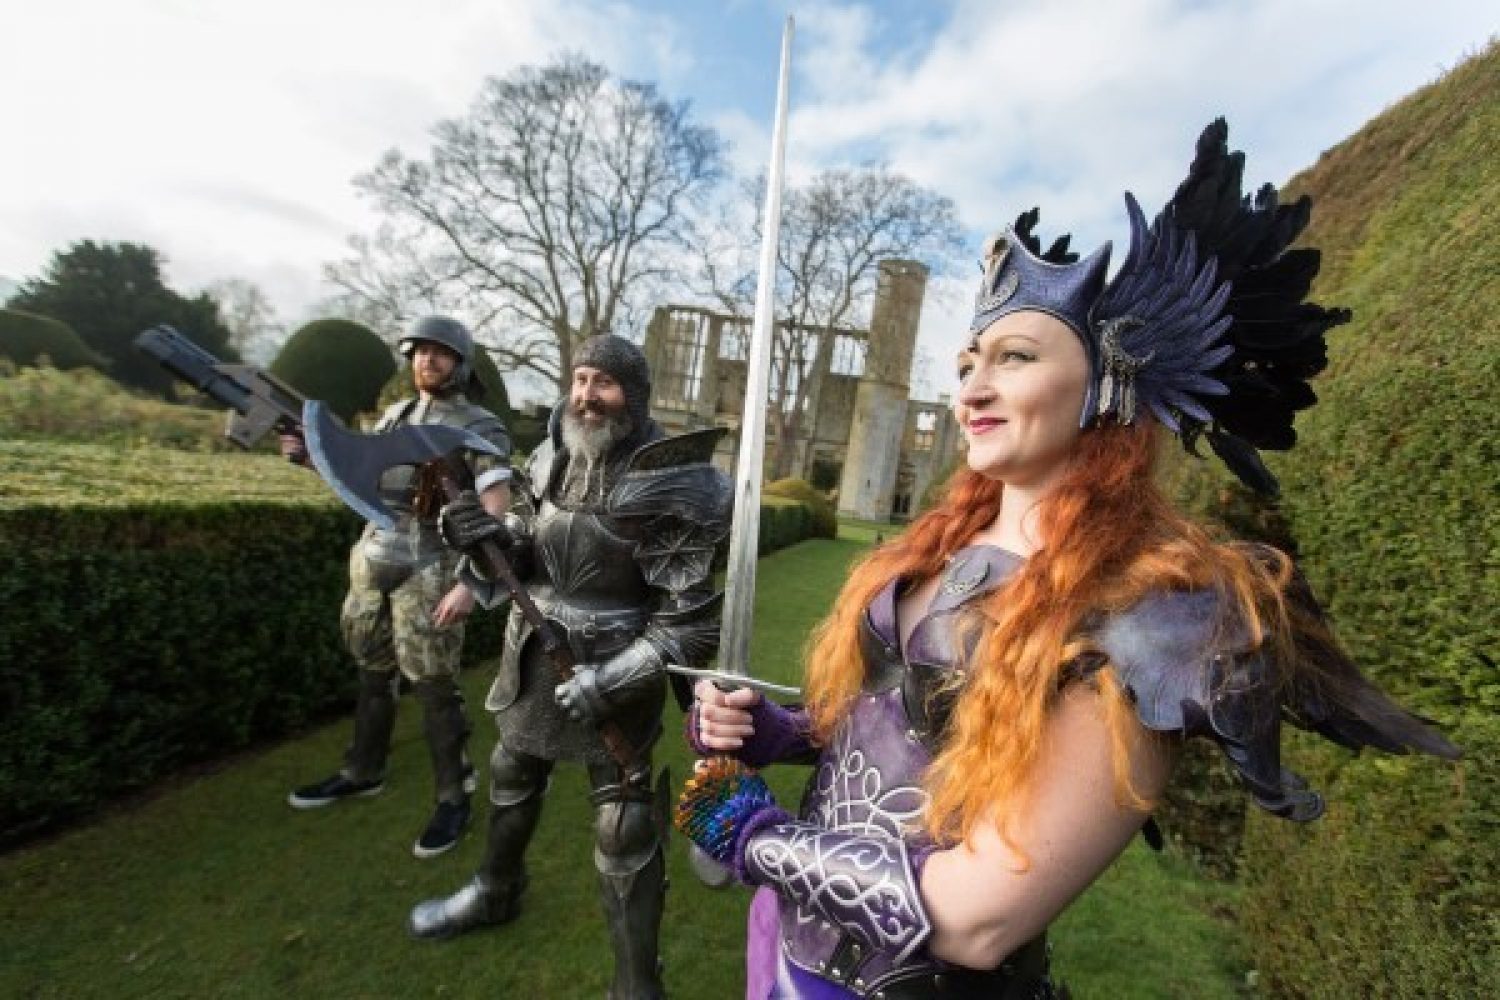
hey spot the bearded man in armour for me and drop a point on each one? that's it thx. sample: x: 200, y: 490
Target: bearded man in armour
x: 614, y: 534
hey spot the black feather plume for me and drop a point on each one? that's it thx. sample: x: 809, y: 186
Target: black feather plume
x: 1279, y: 338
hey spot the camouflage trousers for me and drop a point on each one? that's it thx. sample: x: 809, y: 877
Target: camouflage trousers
x: 387, y: 616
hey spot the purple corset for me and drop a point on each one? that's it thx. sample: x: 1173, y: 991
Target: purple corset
x: 868, y: 779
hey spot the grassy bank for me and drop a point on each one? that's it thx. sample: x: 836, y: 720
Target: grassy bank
x: 214, y: 887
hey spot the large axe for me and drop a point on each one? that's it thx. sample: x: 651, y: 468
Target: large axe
x: 352, y: 465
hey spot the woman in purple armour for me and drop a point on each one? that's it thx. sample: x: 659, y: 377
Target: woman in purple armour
x: 997, y: 699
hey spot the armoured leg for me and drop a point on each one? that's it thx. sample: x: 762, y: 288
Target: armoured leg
x: 518, y: 783
x: 629, y: 854
x: 374, y: 718
x: 447, y: 732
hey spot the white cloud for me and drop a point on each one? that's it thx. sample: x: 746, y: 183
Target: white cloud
x: 1068, y: 104
x: 226, y: 134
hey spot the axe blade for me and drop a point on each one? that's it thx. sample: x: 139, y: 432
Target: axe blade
x: 352, y: 463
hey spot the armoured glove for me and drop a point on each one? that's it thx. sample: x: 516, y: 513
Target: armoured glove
x: 594, y: 692
x: 465, y: 523
x: 866, y: 884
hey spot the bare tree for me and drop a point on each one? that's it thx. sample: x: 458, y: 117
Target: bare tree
x: 542, y: 215
x: 835, y: 231
x: 254, y: 330
x: 389, y: 281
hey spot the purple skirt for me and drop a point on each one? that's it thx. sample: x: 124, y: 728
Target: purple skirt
x: 768, y: 974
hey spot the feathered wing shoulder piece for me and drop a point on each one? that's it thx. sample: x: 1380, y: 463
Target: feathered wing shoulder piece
x: 1192, y: 668
x: 1157, y: 327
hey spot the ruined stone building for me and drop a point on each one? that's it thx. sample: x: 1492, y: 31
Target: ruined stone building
x: 861, y: 433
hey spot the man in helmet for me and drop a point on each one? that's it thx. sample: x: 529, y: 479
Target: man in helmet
x: 405, y: 609
x: 616, y: 549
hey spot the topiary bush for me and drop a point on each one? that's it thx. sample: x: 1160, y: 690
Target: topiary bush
x: 337, y: 361
x: 27, y: 339
x: 824, y: 519
x: 783, y: 522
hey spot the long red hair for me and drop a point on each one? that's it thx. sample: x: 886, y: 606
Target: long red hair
x: 1108, y: 537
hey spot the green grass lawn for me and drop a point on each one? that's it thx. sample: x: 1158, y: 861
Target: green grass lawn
x: 214, y: 887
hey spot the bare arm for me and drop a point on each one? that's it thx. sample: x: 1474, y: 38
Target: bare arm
x: 983, y: 901
x: 496, y: 499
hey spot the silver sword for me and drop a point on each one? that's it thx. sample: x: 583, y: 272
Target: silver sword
x: 744, y: 533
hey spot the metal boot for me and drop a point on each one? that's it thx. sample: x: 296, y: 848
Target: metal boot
x: 493, y: 896
x: 479, y: 903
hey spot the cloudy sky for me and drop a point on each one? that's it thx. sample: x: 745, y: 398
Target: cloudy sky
x: 226, y: 133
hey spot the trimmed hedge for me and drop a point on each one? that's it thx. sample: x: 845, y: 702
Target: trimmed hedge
x: 783, y: 523
x: 164, y: 609
x: 825, y: 521
x: 85, y: 405
x: 145, y: 633
x: 1391, y: 497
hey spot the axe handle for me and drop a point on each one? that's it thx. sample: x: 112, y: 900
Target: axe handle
x: 492, y: 562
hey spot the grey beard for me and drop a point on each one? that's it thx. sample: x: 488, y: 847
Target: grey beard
x: 592, y: 443
x: 587, y: 448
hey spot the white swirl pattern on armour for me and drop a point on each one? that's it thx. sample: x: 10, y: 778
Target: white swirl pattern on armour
x: 851, y: 794
x: 864, y: 885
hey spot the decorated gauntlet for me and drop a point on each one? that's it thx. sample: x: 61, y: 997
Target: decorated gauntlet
x: 865, y: 884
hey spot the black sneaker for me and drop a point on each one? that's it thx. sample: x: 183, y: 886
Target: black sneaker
x: 331, y: 790
x: 443, y: 830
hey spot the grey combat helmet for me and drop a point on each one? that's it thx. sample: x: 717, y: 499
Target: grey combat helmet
x: 451, y: 334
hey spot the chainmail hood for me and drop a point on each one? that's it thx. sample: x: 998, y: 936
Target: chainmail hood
x: 627, y: 365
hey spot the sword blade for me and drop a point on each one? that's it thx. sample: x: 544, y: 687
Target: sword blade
x: 744, y: 535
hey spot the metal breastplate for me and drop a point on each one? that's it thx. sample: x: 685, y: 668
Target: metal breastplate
x: 868, y: 778
x: 587, y: 580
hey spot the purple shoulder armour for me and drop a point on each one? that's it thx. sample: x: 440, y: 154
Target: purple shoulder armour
x: 1191, y: 666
